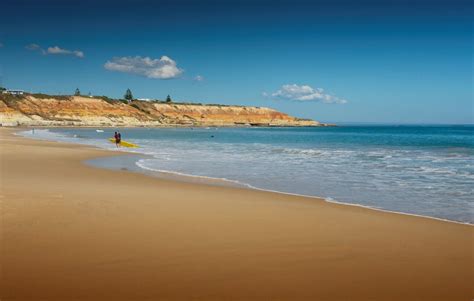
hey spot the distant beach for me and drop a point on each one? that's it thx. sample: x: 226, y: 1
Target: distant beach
x: 73, y: 231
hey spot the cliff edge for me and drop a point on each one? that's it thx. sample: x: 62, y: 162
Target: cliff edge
x: 47, y: 110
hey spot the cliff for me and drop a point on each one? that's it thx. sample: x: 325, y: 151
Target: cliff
x: 45, y: 110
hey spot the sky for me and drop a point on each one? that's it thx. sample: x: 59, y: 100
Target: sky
x: 333, y: 61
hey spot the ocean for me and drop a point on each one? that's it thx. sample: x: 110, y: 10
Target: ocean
x: 421, y: 170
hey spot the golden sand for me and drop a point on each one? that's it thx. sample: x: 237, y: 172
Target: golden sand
x: 74, y: 232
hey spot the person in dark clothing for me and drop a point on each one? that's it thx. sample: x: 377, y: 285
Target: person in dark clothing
x: 118, y: 138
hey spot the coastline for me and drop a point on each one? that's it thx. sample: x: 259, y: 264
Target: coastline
x: 208, y: 180
x: 29, y: 109
x: 205, y: 180
x: 161, y: 239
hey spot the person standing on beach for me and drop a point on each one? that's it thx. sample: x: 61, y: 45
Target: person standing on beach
x: 117, y: 137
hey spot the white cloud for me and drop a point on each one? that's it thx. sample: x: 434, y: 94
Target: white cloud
x: 58, y: 50
x: 304, y: 93
x: 198, y: 78
x: 54, y: 50
x: 162, y: 68
x: 33, y: 46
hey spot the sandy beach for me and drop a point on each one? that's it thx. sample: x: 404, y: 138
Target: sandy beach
x: 73, y: 232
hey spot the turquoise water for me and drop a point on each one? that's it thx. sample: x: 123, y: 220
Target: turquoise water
x: 423, y: 170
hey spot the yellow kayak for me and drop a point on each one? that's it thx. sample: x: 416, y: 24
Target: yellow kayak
x: 124, y: 143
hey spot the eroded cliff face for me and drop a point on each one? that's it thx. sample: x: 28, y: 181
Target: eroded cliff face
x: 83, y: 111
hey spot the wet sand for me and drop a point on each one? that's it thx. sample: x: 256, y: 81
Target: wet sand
x: 74, y: 232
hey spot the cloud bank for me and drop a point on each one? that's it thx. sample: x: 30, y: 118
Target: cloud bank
x: 304, y: 93
x: 162, y: 68
x: 55, y: 50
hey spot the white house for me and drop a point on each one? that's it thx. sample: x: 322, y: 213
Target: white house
x: 14, y: 92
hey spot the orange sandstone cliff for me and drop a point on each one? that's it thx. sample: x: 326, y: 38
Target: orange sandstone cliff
x: 44, y: 110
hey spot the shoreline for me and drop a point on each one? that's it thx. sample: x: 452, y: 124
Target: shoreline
x: 72, y: 232
x: 206, y: 180
x: 183, y: 177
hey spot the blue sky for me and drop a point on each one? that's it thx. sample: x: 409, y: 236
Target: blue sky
x: 341, y: 61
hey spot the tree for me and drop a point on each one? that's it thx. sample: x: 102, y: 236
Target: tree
x: 3, y: 89
x: 77, y: 92
x: 128, y: 95
x: 168, y: 99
